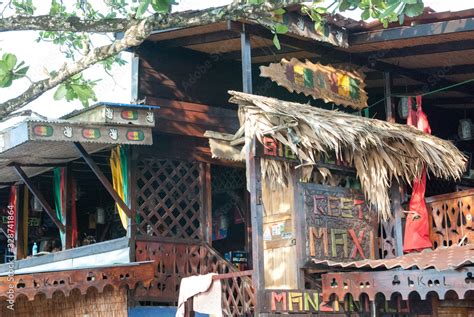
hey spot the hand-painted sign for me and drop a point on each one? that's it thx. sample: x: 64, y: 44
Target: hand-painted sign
x: 339, y: 224
x: 338, y: 86
x: 296, y: 301
x: 271, y: 148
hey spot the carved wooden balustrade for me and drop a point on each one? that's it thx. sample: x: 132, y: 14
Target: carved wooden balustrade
x: 175, y: 260
x: 451, y: 218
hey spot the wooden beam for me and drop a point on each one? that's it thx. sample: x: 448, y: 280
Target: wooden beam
x: 389, y: 107
x: 246, y: 50
x: 426, y: 49
x: 398, y: 211
x: 105, y: 182
x: 20, y: 218
x: 198, y: 39
x: 363, y: 60
x: 51, y: 213
x: 412, y: 32
x: 260, y: 52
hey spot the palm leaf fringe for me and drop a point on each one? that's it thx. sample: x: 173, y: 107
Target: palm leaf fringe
x: 380, y: 151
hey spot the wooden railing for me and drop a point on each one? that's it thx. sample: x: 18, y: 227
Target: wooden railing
x: 174, y: 261
x: 451, y: 218
x: 238, y: 295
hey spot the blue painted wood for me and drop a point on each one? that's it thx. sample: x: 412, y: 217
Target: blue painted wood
x: 154, y: 311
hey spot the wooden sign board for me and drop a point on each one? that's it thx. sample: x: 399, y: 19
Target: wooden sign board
x: 296, y: 302
x: 338, y: 86
x: 273, y: 149
x: 339, y: 224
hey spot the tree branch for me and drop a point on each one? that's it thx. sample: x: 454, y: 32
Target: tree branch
x: 159, y: 21
x: 136, y: 33
x: 71, y: 24
x: 134, y: 36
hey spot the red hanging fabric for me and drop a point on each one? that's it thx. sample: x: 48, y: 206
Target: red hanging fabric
x: 417, y: 233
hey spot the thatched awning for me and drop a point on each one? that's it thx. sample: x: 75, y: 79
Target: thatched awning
x: 379, y: 150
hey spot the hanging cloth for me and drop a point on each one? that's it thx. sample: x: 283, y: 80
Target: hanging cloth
x: 417, y: 233
x: 59, y: 186
x: 60, y: 204
x: 119, y: 167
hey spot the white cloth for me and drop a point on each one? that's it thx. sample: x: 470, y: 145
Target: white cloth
x: 207, y: 295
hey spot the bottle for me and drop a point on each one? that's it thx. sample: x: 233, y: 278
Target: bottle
x: 35, y: 249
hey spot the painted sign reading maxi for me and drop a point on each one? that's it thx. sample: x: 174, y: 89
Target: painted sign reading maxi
x: 338, y: 86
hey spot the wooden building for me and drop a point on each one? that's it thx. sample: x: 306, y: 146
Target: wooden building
x: 298, y: 208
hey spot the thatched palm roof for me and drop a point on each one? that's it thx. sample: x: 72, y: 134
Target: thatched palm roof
x: 379, y: 150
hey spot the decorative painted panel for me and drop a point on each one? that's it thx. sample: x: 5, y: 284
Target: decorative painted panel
x: 339, y: 224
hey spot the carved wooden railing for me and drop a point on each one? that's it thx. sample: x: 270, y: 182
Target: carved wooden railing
x: 451, y: 218
x: 174, y: 261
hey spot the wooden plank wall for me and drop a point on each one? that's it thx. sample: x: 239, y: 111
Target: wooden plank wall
x: 185, y: 75
x: 280, y: 257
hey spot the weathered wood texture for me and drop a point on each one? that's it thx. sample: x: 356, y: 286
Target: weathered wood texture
x: 178, y: 147
x: 279, y: 249
x: 170, y: 200
x: 112, y: 302
x: 339, y: 224
x: 66, y: 282
x: 181, y: 74
x: 174, y: 261
x: 451, y: 218
x: 192, y: 119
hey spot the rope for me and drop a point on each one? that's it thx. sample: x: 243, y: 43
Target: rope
x: 440, y: 89
x: 424, y: 94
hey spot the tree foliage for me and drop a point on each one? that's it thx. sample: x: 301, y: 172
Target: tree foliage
x: 72, y: 26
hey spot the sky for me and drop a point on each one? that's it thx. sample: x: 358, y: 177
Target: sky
x: 44, y: 57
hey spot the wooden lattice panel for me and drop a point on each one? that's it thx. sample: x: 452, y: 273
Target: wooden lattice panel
x: 169, y: 195
x: 451, y: 218
x: 173, y: 261
x: 227, y: 178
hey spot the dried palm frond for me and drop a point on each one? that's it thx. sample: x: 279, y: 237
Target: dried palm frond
x: 380, y: 151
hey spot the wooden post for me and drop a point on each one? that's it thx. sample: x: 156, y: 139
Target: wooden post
x: 20, y: 218
x: 254, y: 184
x: 395, y: 189
x: 246, y: 49
x: 389, y: 110
x: 207, y: 201
x: 68, y: 206
x: 51, y: 213
x: 105, y: 182
x: 398, y: 211
x: 299, y: 221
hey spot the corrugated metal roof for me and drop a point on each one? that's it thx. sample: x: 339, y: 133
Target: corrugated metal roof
x: 441, y: 259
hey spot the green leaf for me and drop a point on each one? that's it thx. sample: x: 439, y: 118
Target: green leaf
x: 143, y: 7
x: 280, y: 11
x: 161, y: 5
x: 276, y: 42
x: 60, y: 92
x: 410, y: 1
x: 365, y: 14
x: 401, y: 19
x: 413, y: 10
x: 281, y: 28
x: 10, y: 60
x: 390, y: 10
